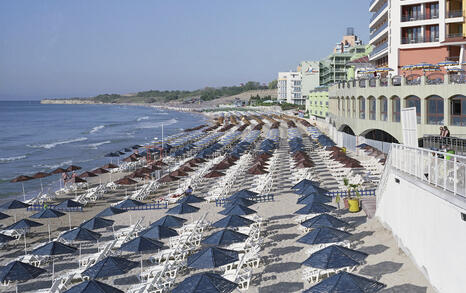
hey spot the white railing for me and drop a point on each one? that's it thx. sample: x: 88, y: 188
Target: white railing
x: 443, y: 170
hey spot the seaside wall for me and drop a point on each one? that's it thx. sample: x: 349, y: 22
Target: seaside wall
x: 428, y: 225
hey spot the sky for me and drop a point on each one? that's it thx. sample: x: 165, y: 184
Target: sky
x: 68, y: 48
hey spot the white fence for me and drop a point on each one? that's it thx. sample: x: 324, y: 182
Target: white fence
x: 440, y: 169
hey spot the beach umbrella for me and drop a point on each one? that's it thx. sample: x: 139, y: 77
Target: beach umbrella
x: 5, y: 238
x: 170, y: 222
x: 335, y: 257
x: 324, y: 235
x: 110, y: 266
x: 191, y: 199
x: 73, y: 168
x: 128, y: 204
x: 23, y: 224
x: 178, y: 173
x: 58, y: 171
x: 182, y: 208
x: 233, y: 221
x: 205, y: 283
x: 314, y: 197
x: 87, y: 174
x: 100, y: 171
x: 241, y: 201
x: 19, y: 271
x: 324, y: 220
x: 68, y: 203
x: 77, y: 180
x: 158, y: 232
x: 14, y: 204
x: 93, y: 286
x: 214, y: 174
x: 109, y: 166
x: 125, y: 181
x: 225, y: 237
x: 346, y: 282
x: 47, y: 213
x: 110, y: 211
x: 54, y: 248
x: 212, y: 257
x: 80, y: 234
x: 168, y: 178
x: 97, y: 223
x: 21, y: 179
x: 141, y: 244
x: 237, y: 210
x: 315, y: 208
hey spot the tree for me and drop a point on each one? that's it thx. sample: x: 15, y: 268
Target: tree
x: 273, y: 84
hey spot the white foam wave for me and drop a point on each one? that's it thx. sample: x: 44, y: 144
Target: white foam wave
x: 54, y: 144
x: 10, y: 159
x: 95, y: 145
x: 143, y: 118
x: 97, y: 128
x: 146, y: 125
x: 62, y: 164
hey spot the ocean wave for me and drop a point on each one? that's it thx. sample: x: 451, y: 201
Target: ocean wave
x: 10, y: 159
x: 95, y: 145
x: 142, y: 118
x: 54, y: 144
x: 146, y: 125
x: 62, y: 164
x: 97, y: 128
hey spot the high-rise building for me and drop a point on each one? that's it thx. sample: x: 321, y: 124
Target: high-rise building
x: 289, y: 87
x: 410, y: 32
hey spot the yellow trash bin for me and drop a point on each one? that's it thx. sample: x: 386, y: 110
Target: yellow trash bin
x: 353, y: 205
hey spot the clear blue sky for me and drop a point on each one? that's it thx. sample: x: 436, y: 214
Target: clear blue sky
x: 65, y: 48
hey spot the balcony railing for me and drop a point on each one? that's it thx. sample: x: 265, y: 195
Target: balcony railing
x: 379, y: 49
x: 419, y: 16
x: 417, y: 40
x: 377, y: 31
x: 455, y: 13
x: 377, y: 13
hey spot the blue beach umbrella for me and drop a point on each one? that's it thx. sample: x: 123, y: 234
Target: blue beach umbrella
x: 346, y: 282
x: 23, y: 224
x: 19, y: 271
x: 334, y: 257
x: 170, y: 222
x: 237, y: 210
x: 110, y: 211
x: 81, y: 234
x: 66, y: 204
x: 315, y: 208
x: 128, y: 204
x: 110, y: 266
x: 141, y: 244
x: 54, y: 248
x: 191, y: 199
x: 325, y: 220
x: 97, y: 223
x: 225, y: 237
x: 182, y: 208
x: 158, y: 232
x: 47, y: 213
x: 324, y: 235
x: 14, y: 204
x: 93, y: 286
x: 212, y: 257
x: 232, y: 221
x: 314, y: 197
x: 205, y: 283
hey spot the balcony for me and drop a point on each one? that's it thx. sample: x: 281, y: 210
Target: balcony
x: 378, y: 49
x: 418, y: 40
x: 374, y: 16
x: 377, y: 31
x: 419, y: 16
x: 455, y: 13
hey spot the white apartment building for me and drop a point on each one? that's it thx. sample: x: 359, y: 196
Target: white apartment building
x: 413, y: 31
x: 289, y: 88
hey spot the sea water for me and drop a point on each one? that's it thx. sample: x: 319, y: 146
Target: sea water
x: 38, y: 137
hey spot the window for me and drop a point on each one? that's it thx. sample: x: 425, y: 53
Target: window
x: 396, y: 109
x: 435, y: 110
x: 458, y: 110
x: 383, y: 108
x: 371, y: 108
x: 413, y: 101
x: 362, y: 108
